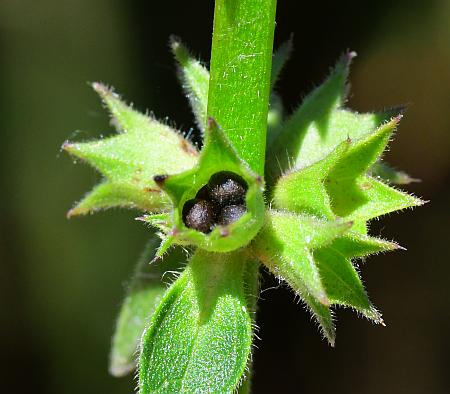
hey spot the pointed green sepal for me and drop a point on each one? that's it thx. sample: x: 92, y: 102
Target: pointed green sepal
x: 342, y: 282
x: 356, y: 196
x: 280, y: 57
x: 199, y: 339
x: 143, y: 148
x: 378, y: 199
x: 274, y: 118
x: 194, y: 78
x: 337, y: 185
x: 217, y: 156
x: 311, y: 117
x: 386, y: 173
x: 285, y: 245
x: 356, y: 245
x: 146, y: 289
x: 320, y: 124
x: 303, y: 191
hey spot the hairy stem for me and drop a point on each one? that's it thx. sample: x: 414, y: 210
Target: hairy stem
x: 241, y: 61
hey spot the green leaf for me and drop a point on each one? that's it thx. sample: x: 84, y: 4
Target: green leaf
x: 320, y: 124
x: 241, y: 60
x: 194, y: 78
x: 144, y: 294
x: 216, y: 156
x: 143, y: 148
x: 251, y: 288
x: 199, y: 339
x: 285, y: 245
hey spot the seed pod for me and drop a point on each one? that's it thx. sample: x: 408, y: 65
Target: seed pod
x: 231, y: 213
x: 199, y: 215
x: 226, y: 188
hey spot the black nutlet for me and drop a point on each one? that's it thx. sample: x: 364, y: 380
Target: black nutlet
x: 199, y: 215
x: 226, y: 188
x: 220, y: 202
x: 230, y: 214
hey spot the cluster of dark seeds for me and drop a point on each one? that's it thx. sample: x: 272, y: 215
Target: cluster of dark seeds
x: 220, y: 202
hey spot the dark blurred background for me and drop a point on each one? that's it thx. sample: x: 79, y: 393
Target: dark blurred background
x: 61, y: 282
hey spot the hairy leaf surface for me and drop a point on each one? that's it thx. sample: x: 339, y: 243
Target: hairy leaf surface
x: 199, y: 339
x: 145, y: 291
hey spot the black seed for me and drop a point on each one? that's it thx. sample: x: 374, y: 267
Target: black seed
x: 231, y: 213
x: 226, y: 188
x: 199, y: 215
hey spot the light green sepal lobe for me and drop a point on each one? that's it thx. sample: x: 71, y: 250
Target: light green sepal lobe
x: 285, y: 245
x: 337, y: 186
x: 129, y: 160
x: 143, y: 296
x: 107, y: 194
x: 341, y: 280
x: 356, y: 196
x: 314, y: 112
x: 279, y: 59
x: 199, y: 339
x: 356, y: 245
x: 194, y: 78
x: 320, y: 124
x: 386, y: 173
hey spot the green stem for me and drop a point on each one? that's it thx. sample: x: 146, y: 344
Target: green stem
x: 241, y: 61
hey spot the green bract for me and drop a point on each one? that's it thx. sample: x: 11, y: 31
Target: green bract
x: 305, y: 220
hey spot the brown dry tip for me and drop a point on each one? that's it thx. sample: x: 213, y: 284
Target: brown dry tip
x: 366, y: 186
x: 101, y: 89
x: 67, y: 146
x: 212, y: 124
x: 76, y: 212
x: 349, y: 224
x: 187, y: 147
x: 141, y: 219
x: 151, y: 190
x: 323, y: 299
x: 350, y: 55
x: 159, y: 179
x: 398, y: 118
x: 224, y: 232
x: 174, y: 40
